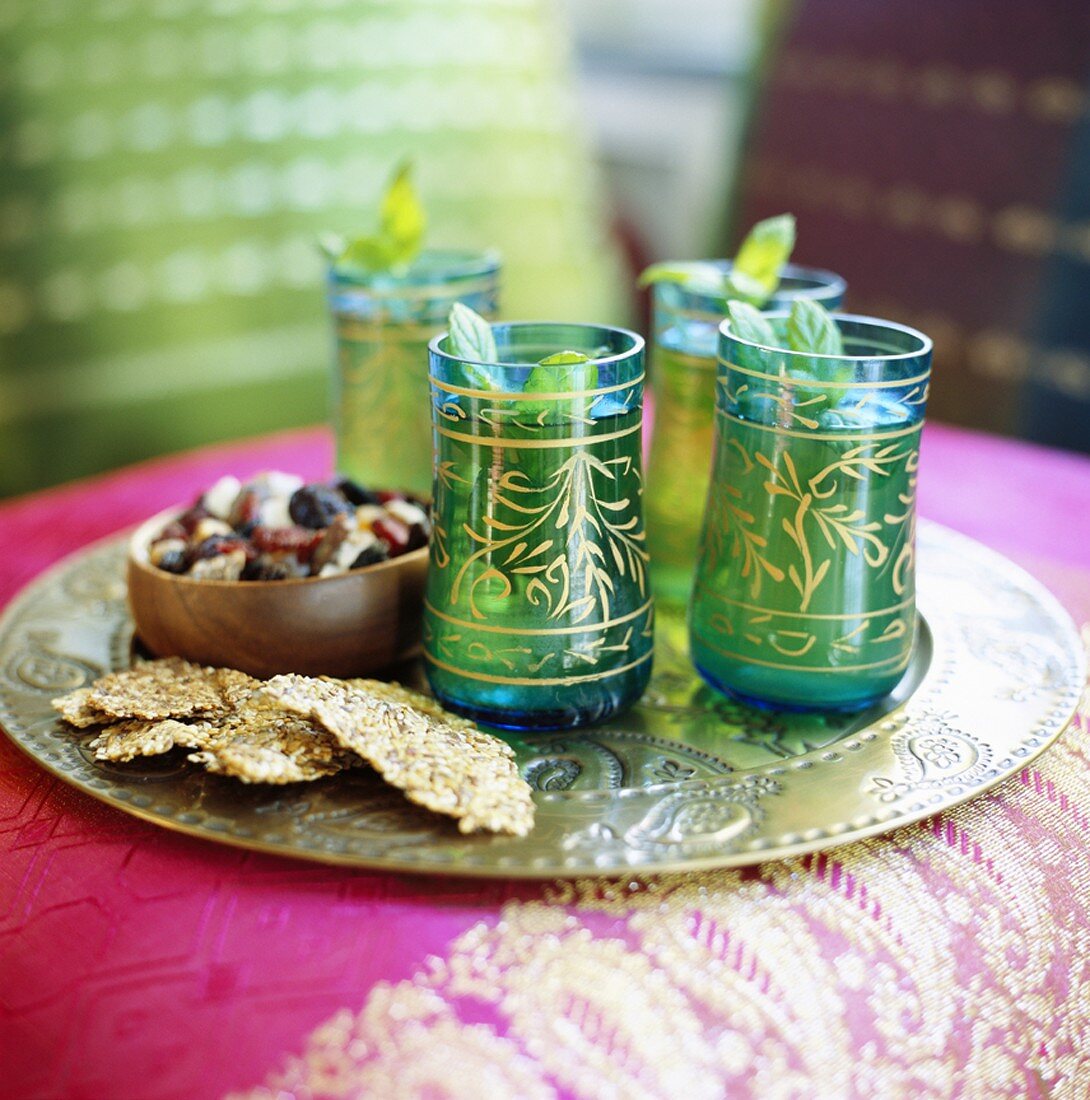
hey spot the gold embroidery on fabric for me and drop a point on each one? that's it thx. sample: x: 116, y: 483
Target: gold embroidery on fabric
x: 946, y: 959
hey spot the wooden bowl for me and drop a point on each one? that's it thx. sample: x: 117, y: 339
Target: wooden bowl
x: 350, y: 625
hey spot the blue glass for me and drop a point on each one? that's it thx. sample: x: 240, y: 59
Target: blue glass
x: 383, y: 322
x: 805, y: 586
x: 683, y: 363
x: 538, y: 610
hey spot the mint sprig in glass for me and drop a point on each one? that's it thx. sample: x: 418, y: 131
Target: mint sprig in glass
x: 389, y: 295
x: 538, y: 610
x: 689, y: 300
x: 805, y: 587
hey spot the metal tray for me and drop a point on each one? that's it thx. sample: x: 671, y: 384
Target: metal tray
x: 687, y: 779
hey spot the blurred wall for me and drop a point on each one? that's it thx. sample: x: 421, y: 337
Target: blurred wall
x: 165, y: 166
x: 664, y: 84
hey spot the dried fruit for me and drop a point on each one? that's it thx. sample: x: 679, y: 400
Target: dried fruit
x: 192, y: 516
x: 169, y: 554
x: 316, y: 506
x: 392, y: 532
x: 299, y: 541
x: 215, y: 545
x: 370, y: 555
x: 355, y: 493
x: 288, y: 529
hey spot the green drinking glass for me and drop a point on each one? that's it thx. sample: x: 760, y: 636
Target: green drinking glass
x: 805, y: 587
x: 685, y: 324
x: 383, y: 322
x: 538, y: 611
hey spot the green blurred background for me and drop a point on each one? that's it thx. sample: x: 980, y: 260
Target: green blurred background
x: 166, y: 165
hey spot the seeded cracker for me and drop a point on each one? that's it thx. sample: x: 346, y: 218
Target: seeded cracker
x: 127, y: 740
x: 262, y: 743
x: 451, y: 769
x: 166, y: 688
x: 76, y: 710
x: 395, y: 693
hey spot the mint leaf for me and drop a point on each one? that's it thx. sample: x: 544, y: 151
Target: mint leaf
x: 331, y: 245
x: 366, y: 254
x: 739, y: 287
x: 401, y: 232
x: 754, y: 275
x: 694, y: 276
x: 811, y: 329
x: 563, y: 358
x: 764, y: 252
x: 748, y: 323
x: 402, y: 217
x: 471, y: 335
x: 562, y: 372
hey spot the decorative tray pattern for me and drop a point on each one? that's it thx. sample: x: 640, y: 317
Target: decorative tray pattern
x: 686, y: 780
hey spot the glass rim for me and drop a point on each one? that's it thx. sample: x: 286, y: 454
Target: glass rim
x: 464, y: 263
x: 638, y: 343
x: 925, y: 341
x: 828, y: 283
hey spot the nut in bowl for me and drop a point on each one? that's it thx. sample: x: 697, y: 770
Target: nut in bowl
x: 255, y: 577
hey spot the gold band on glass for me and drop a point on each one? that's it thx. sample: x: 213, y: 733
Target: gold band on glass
x: 506, y: 443
x: 521, y: 395
x: 816, y: 383
x: 832, y: 437
x: 372, y: 331
x: 533, y: 681
x: 805, y: 614
x: 576, y: 629
x: 898, y: 659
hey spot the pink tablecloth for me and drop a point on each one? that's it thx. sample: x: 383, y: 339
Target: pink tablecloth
x: 950, y: 958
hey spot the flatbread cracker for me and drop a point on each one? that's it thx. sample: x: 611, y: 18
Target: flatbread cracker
x: 262, y: 743
x: 395, y: 693
x: 160, y: 689
x: 76, y: 710
x: 124, y: 741
x: 454, y: 770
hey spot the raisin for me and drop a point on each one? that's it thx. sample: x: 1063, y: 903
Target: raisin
x: 265, y: 568
x: 215, y: 545
x: 355, y: 493
x: 192, y: 516
x: 374, y: 553
x: 246, y: 513
x: 418, y: 537
x: 315, y: 506
x: 173, y: 560
x: 392, y: 532
x: 298, y: 540
x: 172, y: 531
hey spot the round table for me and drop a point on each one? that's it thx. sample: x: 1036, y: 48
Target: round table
x: 949, y: 958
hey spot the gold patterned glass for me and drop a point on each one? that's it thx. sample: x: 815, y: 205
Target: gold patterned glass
x: 683, y: 367
x: 538, y: 608
x: 805, y: 587
x: 383, y: 323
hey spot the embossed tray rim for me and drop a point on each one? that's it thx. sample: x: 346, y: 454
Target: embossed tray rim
x: 832, y: 835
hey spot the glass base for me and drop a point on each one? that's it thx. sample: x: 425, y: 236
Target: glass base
x: 797, y: 693
x: 521, y: 707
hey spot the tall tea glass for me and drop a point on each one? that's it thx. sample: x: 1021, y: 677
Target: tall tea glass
x: 805, y: 587
x: 683, y: 364
x: 383, y: 323
x: 538, y: 611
